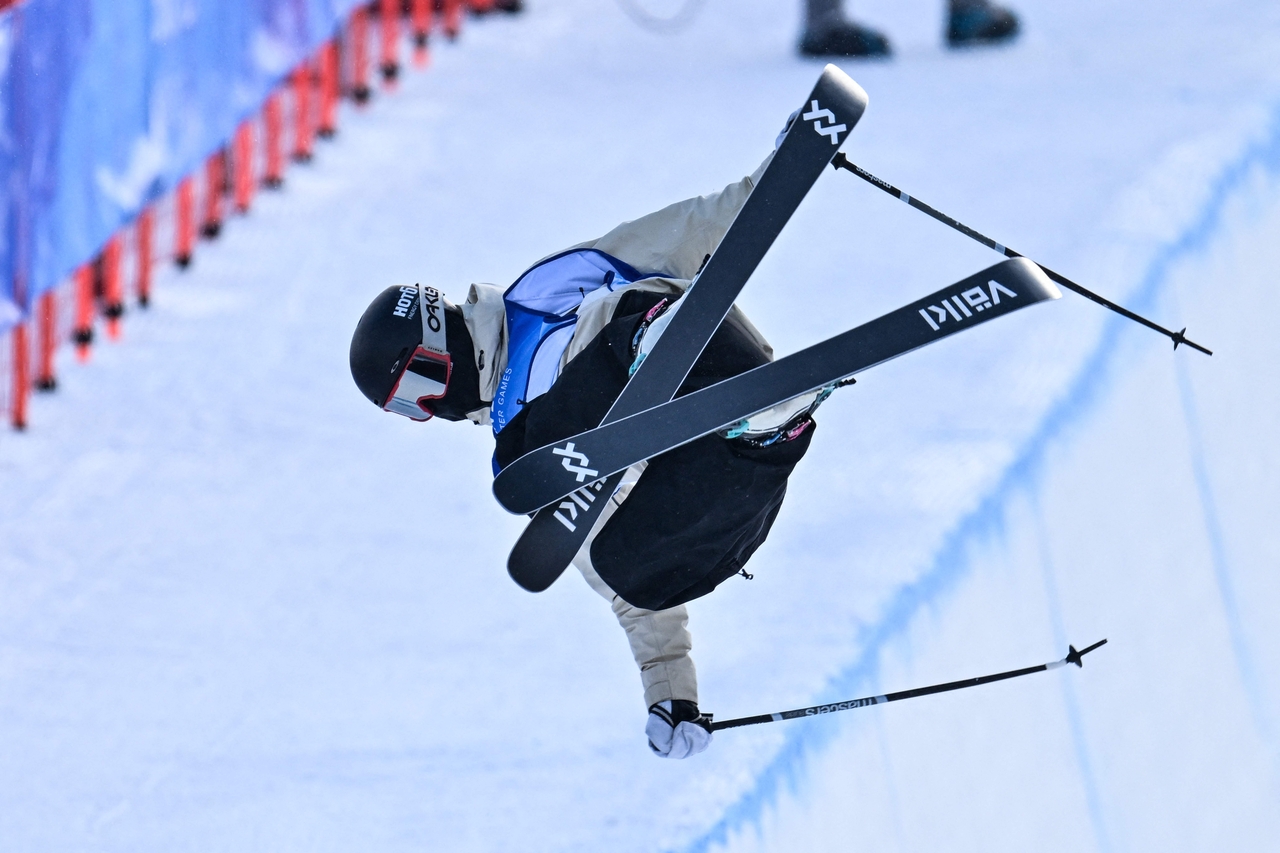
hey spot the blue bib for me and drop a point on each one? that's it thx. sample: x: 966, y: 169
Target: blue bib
x: 542, y: 312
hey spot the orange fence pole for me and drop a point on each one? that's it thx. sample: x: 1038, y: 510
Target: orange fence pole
x: 452, y: 18
x: 215, y: 180
x: 243, y: 166
x: 112, y: 291
x: 390, y: 14
x: 83, y: 335
x: 359, y: 35
x: 273, y: 120
x: 302, y: 113
x: 21, y: 378
x: 47, y: 312
x: 329, y: 89
x: 421, y: 12
x: 146, y: 223
x: 185, y: 227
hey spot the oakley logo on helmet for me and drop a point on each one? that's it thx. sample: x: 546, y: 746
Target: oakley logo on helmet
x: 404, y: 305
x: 579, y: 469
x: 431, y: 301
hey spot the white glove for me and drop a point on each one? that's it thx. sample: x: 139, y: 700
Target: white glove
x: 677, y: 729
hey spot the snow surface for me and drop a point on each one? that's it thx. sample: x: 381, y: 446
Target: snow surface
x: 242, y: 610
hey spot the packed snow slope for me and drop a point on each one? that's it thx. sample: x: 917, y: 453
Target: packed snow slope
x: 242, y: 610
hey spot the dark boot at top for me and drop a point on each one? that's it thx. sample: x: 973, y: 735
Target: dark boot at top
x: 843, y: 38
x: 978, y: 22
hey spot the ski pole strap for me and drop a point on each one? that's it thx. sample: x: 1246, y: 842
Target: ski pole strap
x: 1073, y: 656
x: 842, y: 162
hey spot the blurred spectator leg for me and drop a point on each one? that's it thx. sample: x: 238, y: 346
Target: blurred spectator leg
x: 827, y: 32
x: 971, y: 22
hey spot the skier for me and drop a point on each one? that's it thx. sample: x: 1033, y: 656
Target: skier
x: 827, y: 32
x: 545, y: 359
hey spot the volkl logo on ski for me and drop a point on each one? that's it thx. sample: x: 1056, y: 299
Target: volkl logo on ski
x: 567, y: 512
x: 581, y: 459
x: 958, y: 306
x: 816, y: 114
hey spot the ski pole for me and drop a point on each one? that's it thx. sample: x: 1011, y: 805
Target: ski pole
x: 842, y: 162
x: 1073, y: 656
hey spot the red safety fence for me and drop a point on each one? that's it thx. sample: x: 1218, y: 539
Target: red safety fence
x: 303, y: 107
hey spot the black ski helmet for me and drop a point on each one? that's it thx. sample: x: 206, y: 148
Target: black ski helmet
x: 388, y: 334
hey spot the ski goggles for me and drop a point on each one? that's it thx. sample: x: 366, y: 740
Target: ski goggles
x: 425, y: 375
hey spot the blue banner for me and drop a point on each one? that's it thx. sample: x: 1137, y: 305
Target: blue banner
x: 106, y: 104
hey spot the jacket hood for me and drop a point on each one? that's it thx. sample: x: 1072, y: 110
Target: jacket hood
x: 486, y: 319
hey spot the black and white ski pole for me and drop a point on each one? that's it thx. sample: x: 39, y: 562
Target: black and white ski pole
x: 1073, y: 656
x: 842, y: 162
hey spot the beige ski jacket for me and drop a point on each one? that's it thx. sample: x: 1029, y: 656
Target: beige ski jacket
x: 676, y: 240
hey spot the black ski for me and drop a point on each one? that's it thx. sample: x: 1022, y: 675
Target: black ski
x: 550, y: 473
x: 834, y: 106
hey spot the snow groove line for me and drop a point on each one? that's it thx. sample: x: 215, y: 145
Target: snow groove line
x: 1222, y: 574
x: 987, y: 521
x: 1075, y: 719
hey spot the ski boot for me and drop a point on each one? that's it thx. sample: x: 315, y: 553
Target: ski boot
x: 974, y: 22
x: 843, y: 38
x: 647, y: 333
x: 786, y: 421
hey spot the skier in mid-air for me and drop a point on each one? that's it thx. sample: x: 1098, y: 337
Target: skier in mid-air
x: 546, y: 358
